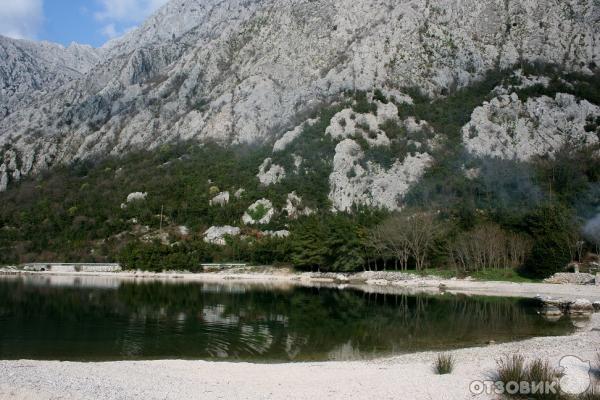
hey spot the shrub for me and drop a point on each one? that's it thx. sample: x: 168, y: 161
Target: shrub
x: 444, y: 364
x: 514, y: 369
x: 510, y: 369
x: 258, y: 212
x: 554, y: 235
x: 378, y: 95
x: 362, y: 105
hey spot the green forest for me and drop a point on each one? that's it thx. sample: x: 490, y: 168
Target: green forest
x: 525, y: 218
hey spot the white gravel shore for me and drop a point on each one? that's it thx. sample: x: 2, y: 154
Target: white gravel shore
x: 274, y: 276
x: 403, y: 377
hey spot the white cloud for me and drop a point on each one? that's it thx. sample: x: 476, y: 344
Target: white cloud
x: 119, y: 15
x: 110, y: 31
x: 21, y: 19
x: 127, y: 10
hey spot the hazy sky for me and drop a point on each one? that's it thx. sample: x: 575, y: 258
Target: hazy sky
x: 65, y: 21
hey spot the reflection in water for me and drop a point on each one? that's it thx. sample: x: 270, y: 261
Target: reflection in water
x: 41, y: 319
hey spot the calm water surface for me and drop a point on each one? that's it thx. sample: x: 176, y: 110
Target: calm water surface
x: 105, y: 319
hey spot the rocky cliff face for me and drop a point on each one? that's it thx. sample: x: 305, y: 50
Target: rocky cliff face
x: 239, y: 71
x: 30, y: 69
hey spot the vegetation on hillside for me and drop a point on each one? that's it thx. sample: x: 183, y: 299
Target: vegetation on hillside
x: 513, y: 216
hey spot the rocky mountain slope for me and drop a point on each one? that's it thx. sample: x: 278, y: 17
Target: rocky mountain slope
x: 237, y: 71
x: 30, y: 69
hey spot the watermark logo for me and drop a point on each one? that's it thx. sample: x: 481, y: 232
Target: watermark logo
x: 575, y: 375
x: 574, y: 379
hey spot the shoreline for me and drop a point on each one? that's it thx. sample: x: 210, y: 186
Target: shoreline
x: 374, y: 282
x: 393, y: 377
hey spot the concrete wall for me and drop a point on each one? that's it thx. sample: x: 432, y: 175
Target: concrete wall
x: 74, y: 267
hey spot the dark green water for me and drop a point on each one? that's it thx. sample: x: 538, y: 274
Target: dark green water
x: 106, y: 320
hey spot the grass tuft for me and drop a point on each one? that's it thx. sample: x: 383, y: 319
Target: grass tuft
x: 444, y: 364
x: 593, y: 393
x: 515, y: 369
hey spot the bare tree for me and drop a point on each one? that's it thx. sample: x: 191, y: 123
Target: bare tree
x: 407, y: 235
x: 421, y: 230
x: 394, y: 241
x: 489, y: 247
x: 381, y: 243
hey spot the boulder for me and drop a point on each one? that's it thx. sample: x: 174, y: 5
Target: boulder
x: 581, y: 306
x: 549, y: 310
x: 136, y: 196
x: 220, y: 200
x: 216, y: 234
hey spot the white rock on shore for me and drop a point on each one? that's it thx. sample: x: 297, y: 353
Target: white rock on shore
x: 578, y: 278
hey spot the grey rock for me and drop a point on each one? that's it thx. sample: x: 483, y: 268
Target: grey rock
x: 581, y: 307
x: 577, y: 278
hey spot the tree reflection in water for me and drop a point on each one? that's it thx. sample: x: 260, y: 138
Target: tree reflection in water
x: 209, y: 321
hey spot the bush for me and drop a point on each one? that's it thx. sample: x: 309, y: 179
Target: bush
x: 362, y: 105
x: 514, y: 369
x: 554, y: 235
x: 444, y: 364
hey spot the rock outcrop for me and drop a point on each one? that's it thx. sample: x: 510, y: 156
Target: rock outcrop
x: 269, y: 173
x: 217, y: 234
x: 136, y: 196
x: 31, y: 69
x: 509, y: 128
x: 221, y: 199
x: 351, y: 183
x: 554, y: 308
x: 260, y: 212
x: 294, y: 207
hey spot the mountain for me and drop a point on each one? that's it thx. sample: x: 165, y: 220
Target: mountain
x: 239, y: 71
x: 30, y: 69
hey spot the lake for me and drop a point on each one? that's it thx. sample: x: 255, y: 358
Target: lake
x: 95, y: 319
